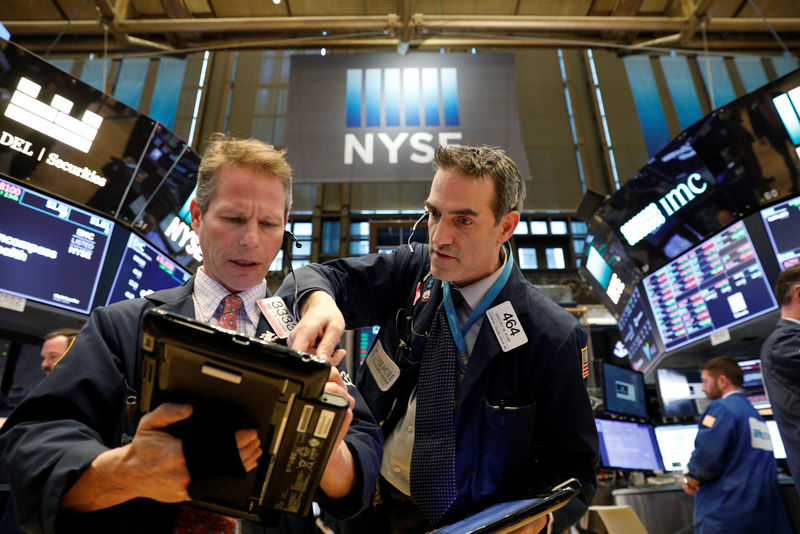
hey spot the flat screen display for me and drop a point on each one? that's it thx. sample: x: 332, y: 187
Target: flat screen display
x: 715, y: 285
x: 638, y: 334
x: 676, y: 443
x: 623, y: 391
x: 50, y: 251
x: 782, y: 222
x: 753, y: 386
x: 627, y: 445
x: 777, y: 442
x: 65, y: 137
x: 681, y: 392
x: 143, y: 270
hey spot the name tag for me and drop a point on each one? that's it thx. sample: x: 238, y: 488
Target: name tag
x: 506, y: 326
x: 383, y: 369
x: 759, y: 435
x: 278, y: 316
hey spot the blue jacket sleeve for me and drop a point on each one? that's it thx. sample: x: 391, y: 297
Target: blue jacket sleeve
x: 711, y: 443
x: 365, y: 441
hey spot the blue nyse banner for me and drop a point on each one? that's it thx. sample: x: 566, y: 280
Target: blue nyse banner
x: 378, y: 117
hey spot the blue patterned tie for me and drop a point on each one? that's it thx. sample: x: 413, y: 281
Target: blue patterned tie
x: 231, y: 305
x: 433, y: 460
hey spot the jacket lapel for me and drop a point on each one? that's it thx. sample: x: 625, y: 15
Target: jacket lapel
x: 486, y: 345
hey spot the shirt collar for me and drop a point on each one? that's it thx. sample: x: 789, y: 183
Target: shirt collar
x: 209, y: 294
x: 791, y: 319
x: 474, y: 292
x: 728, y: 394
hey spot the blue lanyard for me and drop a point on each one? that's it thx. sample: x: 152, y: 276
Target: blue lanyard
x: 452, y: 319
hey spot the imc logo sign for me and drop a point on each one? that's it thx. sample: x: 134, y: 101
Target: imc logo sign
x: 404, y: 98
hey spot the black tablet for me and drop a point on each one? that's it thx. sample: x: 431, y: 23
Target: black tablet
x: 234, y: 382
x: 509, y: 515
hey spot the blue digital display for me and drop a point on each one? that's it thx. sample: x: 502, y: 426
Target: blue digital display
x: 144, y: 270
x: 717, y: 284
x: 638, y: 334
x: 624, y: 391
x: 50, y: 251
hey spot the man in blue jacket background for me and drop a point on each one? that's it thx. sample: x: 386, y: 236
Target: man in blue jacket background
x: 732, y: 471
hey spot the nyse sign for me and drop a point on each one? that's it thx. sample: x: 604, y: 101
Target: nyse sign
x: 380, y: 117
x: 421, y: 144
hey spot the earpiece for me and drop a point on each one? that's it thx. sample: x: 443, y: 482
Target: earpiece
x: 287, y: 235
x: 414, y: 228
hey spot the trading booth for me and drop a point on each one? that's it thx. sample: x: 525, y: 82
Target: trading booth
x: 684, y: 256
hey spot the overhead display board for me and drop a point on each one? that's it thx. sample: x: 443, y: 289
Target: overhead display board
x: 50, y: 251
x: 379, y: 117
x: 65, y: 137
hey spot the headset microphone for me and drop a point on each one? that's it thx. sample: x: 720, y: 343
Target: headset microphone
x: 414, y: 229
x: 287, y: 235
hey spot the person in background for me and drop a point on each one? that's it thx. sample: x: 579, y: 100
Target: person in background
x: 78, y: 463
x: 732, y: 472
x: 55, y: 346
x: 780, y: 367
x: 476, y: 376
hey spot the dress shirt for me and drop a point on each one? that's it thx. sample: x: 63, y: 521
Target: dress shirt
x: 396, y: 464
x: 208, y: 295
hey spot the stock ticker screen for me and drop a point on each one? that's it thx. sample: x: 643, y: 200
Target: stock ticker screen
x: 50, y: 251
x: 144, y: 270
x: 782, y: 222
x: 715, y: 285
x: 638, y: 334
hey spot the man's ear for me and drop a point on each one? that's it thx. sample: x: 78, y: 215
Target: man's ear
x: 508, y: 224
x: 194, y: 209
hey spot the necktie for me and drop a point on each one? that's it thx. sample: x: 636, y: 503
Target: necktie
x: 433, y: 460
x: 231, y: 305
x: 195, y: 520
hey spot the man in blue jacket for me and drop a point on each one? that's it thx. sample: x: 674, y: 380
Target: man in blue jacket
x: 78, y: 463
x: 732, y: 471
x: 476, y: 376
x: 780, y: 366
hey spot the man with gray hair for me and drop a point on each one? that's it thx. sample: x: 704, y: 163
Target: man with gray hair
x: 780, y: 367
x: 77, y: 463
x: 475, y: 376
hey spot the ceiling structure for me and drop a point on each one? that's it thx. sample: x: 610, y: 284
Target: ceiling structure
x: 178, y: 26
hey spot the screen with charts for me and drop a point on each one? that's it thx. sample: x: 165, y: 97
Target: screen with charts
x: 144, y: 270
x: 638, y: 334
x: 715, y: 285
x: 623, y: 391
x: 50, y: 251
x: 681, y: 392
x: 628, y: 445
x: 782, y: 222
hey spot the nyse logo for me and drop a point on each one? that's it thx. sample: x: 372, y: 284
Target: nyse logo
x: 410, y: 98
x: 52, y: 119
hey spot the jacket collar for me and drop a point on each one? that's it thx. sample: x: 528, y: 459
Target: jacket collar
x: 486, y: 345
x: 179, y: 300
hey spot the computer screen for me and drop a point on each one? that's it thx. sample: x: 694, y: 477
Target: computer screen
x: 715, y: 285
x: 628, y: 445
x: 681, y: 392
x: 676, y: 443
x: 753, y: 386
x: 777, y: 442
x: 143, y: 270
x: 623, y: 391
x: 50, y: 251
x: 638, y: 334
x: 781, y: 222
